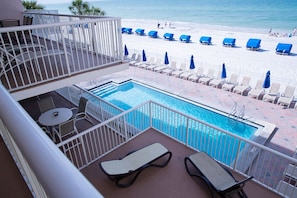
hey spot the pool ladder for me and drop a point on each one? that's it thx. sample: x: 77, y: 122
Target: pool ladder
x: 234, y: 113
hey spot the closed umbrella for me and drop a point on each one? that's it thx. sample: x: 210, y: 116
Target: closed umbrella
x: 166, y: 60
x: 192, y: 64
x: 126, y: 51
x: 224, y: 73
x: 266, y: 83
x: 143, y: 56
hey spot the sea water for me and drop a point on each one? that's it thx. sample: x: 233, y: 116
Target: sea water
x: 260, y: 15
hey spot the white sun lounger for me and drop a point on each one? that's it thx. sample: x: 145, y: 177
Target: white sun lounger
x: 133, y: 163
x: 205, y: 79
x: 287, y: 97
x: 273, y: 93
x: 243, y: 87
x: 257, y: 91
x: 214, y: 175
x: 181, y: 70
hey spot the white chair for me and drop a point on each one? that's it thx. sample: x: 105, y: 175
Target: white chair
x: 136, y: 60
x: 243, y: 87
x: 257, y: 91
x: 206, y: 79
x: 181, y: 70
x: 231, y: 83
x: 153, y: 65
x: 166, y: 69
x: 217, y: 82
x: 273, y: 93
x: 195, y: 77
x: 287, y: 97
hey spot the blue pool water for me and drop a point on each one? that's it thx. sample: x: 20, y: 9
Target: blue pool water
x: 130, y: 94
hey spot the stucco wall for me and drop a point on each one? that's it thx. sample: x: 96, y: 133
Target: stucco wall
x: 11, y: 9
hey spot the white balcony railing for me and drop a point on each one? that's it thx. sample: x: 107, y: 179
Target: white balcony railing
x: 56, y: 47
x: 247, y: 157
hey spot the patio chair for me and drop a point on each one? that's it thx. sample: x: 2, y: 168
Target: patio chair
x: 218, y: 82
x: 181, y: 70
x: 153, y: 34
x: 231, y: 83
x: 273, y: 93
x: 206, y: 79
x: 9, y: 22
x: 169, y: 69
x: 153, y: 65
x: 46, y: 104
x: 135, y: 60
x: 214, y: 175
x: 81, y: 112
x: 195, y: 77
x: 163, y: 67
x: 66, y: 129
x: 125, y: 170
x: 144, y: 64
x: 139, y: 31
x: 243, y: 87
x: 257, y: 91
x: 287, y: 97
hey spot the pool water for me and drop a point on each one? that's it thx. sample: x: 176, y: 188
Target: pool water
x: 130, y: 94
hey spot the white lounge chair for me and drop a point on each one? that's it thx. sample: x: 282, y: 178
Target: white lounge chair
x: 136, y: 60
x: 154, y: 64
x: 169, y: 69
x: 231, y: 83
x: 214, y: 175
x: 209, y: 76
x: 195, y: 77
x: 218, y: 82
x: 273, y: 93
x: 287, y: 97
x: 243, y: 87
x: 257, y: 91
x: 181, y: 70
x: 187, y: 74
x: 144, y: 64
x: 133, y: 163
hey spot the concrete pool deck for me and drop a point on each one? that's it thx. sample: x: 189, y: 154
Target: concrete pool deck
x: 281, y: 130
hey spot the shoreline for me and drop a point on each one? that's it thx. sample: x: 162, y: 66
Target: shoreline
x: 237, y: 59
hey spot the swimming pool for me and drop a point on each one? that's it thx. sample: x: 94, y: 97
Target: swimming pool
x: 130, y: 94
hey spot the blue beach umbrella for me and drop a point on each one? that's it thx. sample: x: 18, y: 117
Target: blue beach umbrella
x: 192, y: 64
x: 166, y: 60
x: 266, y: 83
x: 143, y: 56
x: 224, y: 73
x: 126, y: 51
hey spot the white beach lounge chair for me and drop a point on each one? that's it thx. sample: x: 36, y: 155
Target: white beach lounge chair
x: 170, y: 69
x: 135, y: 162
x: 273, y: 93
x: 195, y: 77
x: 229, y: 85
x: 243, y: 87
x: 209, y: 76
x: 154, y: 64
x: 287, y: 97
x: 218, y: 178
x: 160, y: 69
x: 218, y: 82
x: 145, y: 63
x: 187, y: 74
x: 136, y: 60
x: 257, y: 91
x: 181, y: 70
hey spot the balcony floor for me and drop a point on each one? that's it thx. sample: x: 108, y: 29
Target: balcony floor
x: 170, y: 181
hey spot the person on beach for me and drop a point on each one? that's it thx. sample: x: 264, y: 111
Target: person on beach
x: 158, y: 25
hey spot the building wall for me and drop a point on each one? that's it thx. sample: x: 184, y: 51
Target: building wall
x: 11, y: 9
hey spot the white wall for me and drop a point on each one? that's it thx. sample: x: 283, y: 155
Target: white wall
x: 11, y: 9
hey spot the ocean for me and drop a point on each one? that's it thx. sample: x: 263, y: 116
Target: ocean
x: 255, y: 15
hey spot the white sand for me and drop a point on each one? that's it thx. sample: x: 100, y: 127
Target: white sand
x: 238, y: 59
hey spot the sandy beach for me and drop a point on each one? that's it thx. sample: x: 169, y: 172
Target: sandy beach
x: 237, y: 59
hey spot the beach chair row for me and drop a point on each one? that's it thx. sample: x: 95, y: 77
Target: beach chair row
x: 253, y: 44
x: 272, y: 94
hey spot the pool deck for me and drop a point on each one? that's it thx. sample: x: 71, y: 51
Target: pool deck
x: 283, y: 138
